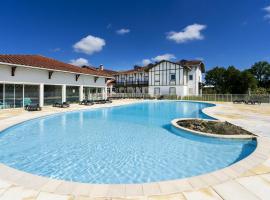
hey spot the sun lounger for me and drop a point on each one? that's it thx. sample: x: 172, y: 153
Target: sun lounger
x: 61, y: 105
x: 253, y: 102
x: 86, y: 102
x: 33, y: 107
x: 239, y: 101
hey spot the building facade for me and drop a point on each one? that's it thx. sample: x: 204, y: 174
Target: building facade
x: 132, y: 81
x: 28, y: 79
x: 162, y: 78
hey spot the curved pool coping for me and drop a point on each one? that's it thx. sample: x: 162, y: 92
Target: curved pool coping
x: 176, y: 125
x: 61, y: 187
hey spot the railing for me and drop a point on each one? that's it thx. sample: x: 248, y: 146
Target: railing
x: 97, y: 96
x: 128, y: 96
x: 264, y: 98
x: 126, y: 83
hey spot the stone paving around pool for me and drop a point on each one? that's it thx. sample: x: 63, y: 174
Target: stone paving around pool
x: 246, y: 180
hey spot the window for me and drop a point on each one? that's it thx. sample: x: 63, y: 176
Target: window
x: 130, y: 79
x: 172, y: 77
x: 172, y: 91
x: 31, y: 94
x: 156, y: 91
x: 52, y: 94
x: 9, y: 95
x: 1, y: 96
x: 18, y: 101
x: 146, y: 90
x: 190, y: 91
x: 156, y: 77
x: 72, y: 93
x: 190, y: 77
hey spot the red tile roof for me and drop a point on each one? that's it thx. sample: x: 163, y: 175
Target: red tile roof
x: 185, y: 63
x: 49, y: 64
x: 190, y: 63
x: 136, y: 69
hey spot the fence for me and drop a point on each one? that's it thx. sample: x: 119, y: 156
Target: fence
x: 229, y: 97
x: 264, y: 98
x: 129, y: 95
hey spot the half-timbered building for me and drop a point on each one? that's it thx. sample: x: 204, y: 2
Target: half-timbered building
x: 175, y: 78
x: 179, y: 78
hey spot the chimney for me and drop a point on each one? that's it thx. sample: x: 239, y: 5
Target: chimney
x: 101, y: 67
x: 136, y: 67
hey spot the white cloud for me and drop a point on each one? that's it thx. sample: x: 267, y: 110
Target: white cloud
x: 123, y: 31
x: 146, y: 62
x: 79, y: 62
x: 189, y: 33
x: 166, y: 56
x: 158, y: 58
x: 89, y: 45
x: 267, y: 16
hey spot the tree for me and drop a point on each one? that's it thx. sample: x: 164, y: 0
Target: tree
x: 230, y: 80
x: 261, y: 71
x: 216, y: 77
x: 247, y: 81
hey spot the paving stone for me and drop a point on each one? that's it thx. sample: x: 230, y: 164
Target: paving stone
x: 50, y: 196
x: 232, y: 190
x: 178, y: 196
x: 202, y: 194
x: 18, y: 193
x: 257, y: 185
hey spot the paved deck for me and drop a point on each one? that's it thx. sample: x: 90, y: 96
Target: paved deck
x: 248, y: 179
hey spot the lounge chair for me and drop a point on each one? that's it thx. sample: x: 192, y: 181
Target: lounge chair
x: 61, y: 105
x: 33, y: 107
x: 160, y: 97
x: 108, y: 101
x: 100, y: 101
x: 253, y: 102
x: 86, y: 102
x: 238, y: 101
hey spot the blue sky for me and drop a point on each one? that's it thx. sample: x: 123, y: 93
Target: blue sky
x: 121, y: 33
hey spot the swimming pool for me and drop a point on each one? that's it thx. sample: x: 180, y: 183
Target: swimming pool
x: 126, y: 144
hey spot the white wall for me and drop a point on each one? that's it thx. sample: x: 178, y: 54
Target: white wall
x: 38, y: 76
x: 164, y: 90
x: 182, y: 84
x: 163, y: 71
x: 193, y: 86
x: 26, y: 75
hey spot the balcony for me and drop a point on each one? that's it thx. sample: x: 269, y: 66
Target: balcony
x: 131, y: 83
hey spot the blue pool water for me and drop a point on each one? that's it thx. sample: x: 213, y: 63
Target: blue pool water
x: 126, y: 144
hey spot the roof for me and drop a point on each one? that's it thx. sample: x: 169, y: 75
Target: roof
x: 49, y: 64
x: 136, y: 69
x: 185, y: 63
x: 108, y: 71
x: 190, y: 63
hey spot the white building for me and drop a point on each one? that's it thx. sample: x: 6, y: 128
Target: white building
x: 132, y: 81
x: 162, y: 78
x: 26, y: 79
x: 175, y: 78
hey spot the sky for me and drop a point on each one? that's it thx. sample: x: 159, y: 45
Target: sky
x: 122, y: 33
